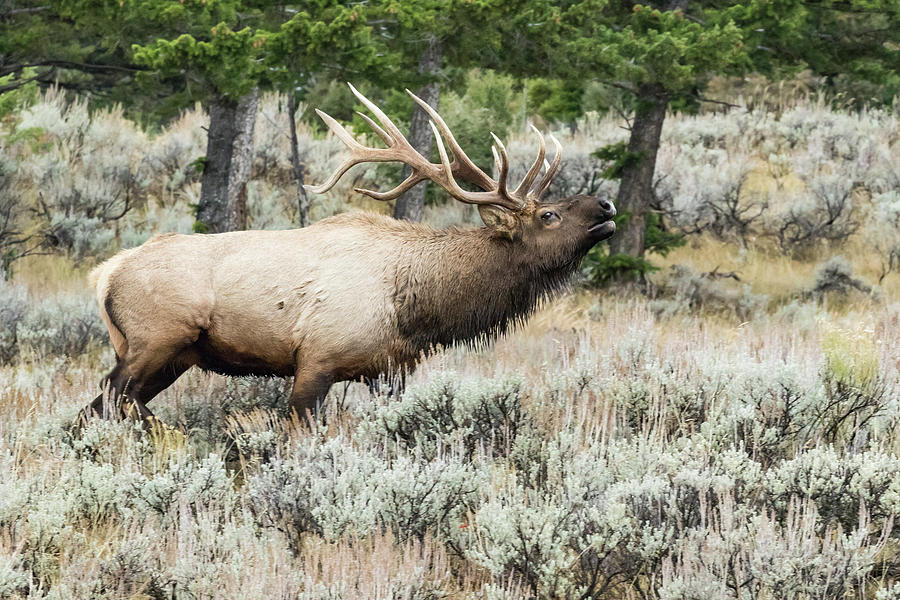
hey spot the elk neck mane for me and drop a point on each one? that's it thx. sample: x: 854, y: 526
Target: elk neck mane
x: 460, y: 284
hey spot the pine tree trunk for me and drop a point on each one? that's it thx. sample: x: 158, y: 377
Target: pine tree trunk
x: 297, y: 166
x: 229, y: 157
x: 409, y: 206
x: 636, y: 187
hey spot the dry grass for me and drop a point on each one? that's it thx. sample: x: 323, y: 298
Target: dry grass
x: 780, y: 276
x: 48, y: 275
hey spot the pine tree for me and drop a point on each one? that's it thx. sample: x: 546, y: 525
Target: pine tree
x: 164, y: 55
x: 663, y: 54
x: 258, y: 45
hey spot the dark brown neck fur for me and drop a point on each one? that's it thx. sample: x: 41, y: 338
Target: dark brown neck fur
x: 462, y: 284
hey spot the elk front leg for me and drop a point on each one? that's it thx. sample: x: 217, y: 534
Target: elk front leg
x: 311, y: 385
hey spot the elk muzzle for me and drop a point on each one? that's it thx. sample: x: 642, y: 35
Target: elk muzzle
x: 604, y: 227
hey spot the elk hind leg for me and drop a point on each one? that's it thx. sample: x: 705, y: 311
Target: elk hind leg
x: 120, y: 396
x: 155, y: 369
x: 114, y: 387
x: 138, y: 377
x: 156, y: 383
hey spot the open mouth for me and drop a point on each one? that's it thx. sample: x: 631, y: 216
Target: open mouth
x: 603, y: 230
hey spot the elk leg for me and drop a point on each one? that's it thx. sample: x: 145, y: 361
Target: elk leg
x: 161, y: 380
x: 120, y: 387
x: 139, y: 377
x: 311, y: 385
x: 135, y: 405
x: 152, y: 386
x: 114, y: 386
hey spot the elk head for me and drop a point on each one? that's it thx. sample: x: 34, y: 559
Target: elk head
x: 567, y: 228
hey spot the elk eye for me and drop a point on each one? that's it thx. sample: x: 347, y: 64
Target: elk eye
x: 549, y: 217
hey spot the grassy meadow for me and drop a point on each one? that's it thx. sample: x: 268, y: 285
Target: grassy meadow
x: 731, y: 430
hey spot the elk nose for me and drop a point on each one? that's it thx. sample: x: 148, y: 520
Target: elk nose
x: 608, y: 207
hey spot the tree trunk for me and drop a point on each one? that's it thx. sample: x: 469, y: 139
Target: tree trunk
x: 636, y: 187
x: 297, y: 166
x: 229, y: 156
x: 409, y: 206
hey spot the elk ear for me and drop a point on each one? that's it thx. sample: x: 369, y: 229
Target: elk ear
x: 500, y: 220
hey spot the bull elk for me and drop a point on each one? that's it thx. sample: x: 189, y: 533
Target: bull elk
x: 352, y: 296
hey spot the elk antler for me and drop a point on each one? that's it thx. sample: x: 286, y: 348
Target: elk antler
x: 495, y: 191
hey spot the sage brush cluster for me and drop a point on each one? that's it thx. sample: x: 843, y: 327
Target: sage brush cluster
x: 64, y: 324
x: 79, y: 173
x: 634, y: 463
x: 810, y: 167
x: 685, y: 291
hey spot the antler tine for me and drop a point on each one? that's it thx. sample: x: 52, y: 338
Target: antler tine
x: 335, y: 177
x: 445, y: 161
x: 528, y: 180
x: 338, y: 130
x: 357, y: 153
x: 392, y: 129
x: 497, y: 166
x: 502, y: 164
x: 469, y: 170
x: 381, y: 132
x: 449, y: 183
x: 551, y: 171
x: 408, y: 183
